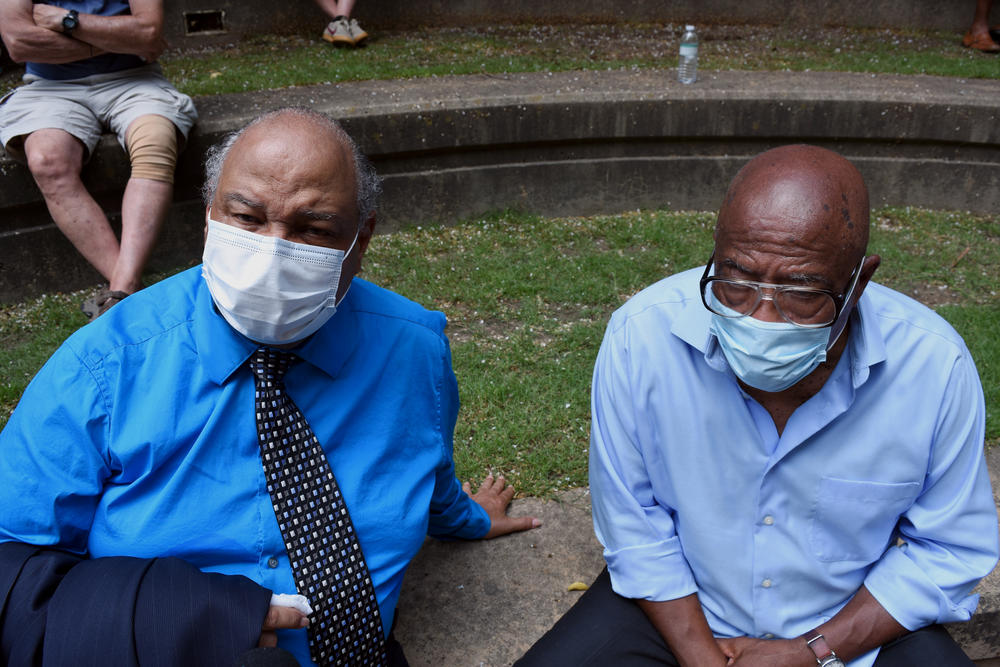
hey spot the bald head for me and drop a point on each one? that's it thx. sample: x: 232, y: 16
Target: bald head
x: 805, y: 194
x: 298, y: 128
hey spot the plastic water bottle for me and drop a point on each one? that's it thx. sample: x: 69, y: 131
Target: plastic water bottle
x: 687, y: 67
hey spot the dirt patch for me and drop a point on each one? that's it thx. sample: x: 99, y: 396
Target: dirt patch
x: 932, y: 295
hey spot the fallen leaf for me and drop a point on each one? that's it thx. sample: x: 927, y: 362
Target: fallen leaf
x: 577, y: 586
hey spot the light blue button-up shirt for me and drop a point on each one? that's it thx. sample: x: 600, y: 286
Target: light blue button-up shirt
x: 694, y: 491
x: 137, y: 438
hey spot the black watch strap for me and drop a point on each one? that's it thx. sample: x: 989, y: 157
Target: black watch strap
x: 70, y: 21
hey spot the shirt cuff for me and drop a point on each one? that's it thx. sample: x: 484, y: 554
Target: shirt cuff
x: 470, y: 522
x: 654, y: 572
x: 910, y: 596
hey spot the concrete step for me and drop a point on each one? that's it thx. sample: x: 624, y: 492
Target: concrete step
x: 564, y: 143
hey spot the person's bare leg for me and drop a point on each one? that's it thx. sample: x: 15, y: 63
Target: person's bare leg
x: 344, y: 7
x: 981, y: 22
x: 331, y: 7
x: 144, y: 208
x: 55, y: 159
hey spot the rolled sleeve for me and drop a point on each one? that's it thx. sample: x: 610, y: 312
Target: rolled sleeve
x: 950, y: 531
x: 641, y: 547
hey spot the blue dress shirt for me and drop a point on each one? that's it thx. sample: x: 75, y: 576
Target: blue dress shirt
x: 137, y: 438
x: 694, y: 490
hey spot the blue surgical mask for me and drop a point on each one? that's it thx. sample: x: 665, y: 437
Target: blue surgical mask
x: 770, y: 356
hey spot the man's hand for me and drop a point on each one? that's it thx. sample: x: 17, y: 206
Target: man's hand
x: 494, y: 496
x: 49, y: 17
x: 280, y: 618
x: 750, y: 652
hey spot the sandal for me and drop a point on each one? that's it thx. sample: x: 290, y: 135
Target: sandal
x: 980, y: 42
x: 101, y: 302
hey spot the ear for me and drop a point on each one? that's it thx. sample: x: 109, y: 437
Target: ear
x: 867, y: 271
x: 208, y: 214
x: 365, y: 233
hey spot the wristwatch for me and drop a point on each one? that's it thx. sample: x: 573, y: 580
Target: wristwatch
x: 70, y: 21
x: 825, y: 657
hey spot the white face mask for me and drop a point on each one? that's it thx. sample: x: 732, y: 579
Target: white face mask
x: 271, y: 290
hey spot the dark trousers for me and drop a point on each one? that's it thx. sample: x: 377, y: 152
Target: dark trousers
x: 604, y: 628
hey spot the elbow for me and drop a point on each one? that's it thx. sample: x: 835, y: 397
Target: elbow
x: 152, y: 33
x: 15, y: 48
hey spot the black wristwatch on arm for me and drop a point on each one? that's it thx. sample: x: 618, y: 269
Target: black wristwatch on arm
x: 825, y: 657
x: 70, y: 22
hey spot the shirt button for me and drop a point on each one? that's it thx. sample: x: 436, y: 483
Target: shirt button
x: 272, y: 562
x: 766, y: 583
x: 769, y: 520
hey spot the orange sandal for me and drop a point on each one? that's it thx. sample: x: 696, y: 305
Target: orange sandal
x: 981, y: 42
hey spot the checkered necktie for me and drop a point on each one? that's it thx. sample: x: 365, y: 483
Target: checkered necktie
x: 326, y: 558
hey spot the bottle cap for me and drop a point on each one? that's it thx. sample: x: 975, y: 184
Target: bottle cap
x: 689, y: 28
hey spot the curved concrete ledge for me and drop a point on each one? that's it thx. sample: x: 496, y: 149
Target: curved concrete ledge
x: 571, y: 143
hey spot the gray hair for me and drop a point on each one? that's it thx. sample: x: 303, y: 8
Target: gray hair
x: 369, y: 185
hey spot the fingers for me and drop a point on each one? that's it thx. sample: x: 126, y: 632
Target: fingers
x: 283, y: 617
x: 524, y: 523
x: 507, y: 494
x: 268, y: 640
x: 510, y: 524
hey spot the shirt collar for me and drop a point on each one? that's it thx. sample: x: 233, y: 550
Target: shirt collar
x: 692, y: 325
x: 222, y: 350
x: 867, y: 347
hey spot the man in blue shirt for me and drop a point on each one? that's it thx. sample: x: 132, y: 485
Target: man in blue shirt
x: 786, y: 459
x: 90, y: 67
x: 138, y: 437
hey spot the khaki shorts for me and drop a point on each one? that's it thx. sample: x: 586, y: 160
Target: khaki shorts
x: 87, y: 107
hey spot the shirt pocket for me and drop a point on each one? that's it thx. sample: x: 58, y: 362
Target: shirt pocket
x: 854, y: 520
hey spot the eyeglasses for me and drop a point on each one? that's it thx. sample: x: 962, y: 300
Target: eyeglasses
x: 806, y: 307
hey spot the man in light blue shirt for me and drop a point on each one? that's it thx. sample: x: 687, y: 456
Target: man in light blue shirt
x: 138, y: 438
x: 786, y: 459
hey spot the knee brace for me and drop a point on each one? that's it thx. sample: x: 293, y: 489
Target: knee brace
x: 152, y: 148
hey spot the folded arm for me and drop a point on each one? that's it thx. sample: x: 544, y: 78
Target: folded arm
x: 35, y: 33
x: 28, y: 41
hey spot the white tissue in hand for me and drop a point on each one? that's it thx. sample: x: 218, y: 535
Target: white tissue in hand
x: 299, y: 602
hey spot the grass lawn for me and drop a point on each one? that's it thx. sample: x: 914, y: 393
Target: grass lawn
x: 278, y: 61
x: 528, y: 298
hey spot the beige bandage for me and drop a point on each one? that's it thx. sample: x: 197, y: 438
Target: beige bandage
x: 152, y: 148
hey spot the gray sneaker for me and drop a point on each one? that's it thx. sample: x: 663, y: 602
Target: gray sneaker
x: 339, y: 33
x: 358, y: 33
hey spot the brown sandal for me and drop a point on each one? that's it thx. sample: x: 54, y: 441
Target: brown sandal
x: 981, y: 42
